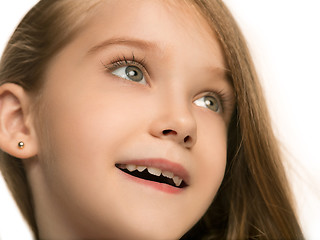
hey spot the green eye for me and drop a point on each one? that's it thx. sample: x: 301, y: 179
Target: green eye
x: 209, y: 102
x: 131, y: 73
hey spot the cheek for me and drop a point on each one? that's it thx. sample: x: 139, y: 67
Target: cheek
x: 213, y: 149
x: 210, y: 162
x: 86, y: 133
x: 82, y: 130
x: 87, y: 130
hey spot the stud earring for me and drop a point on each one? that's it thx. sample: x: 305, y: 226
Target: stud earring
x: 21, y: 145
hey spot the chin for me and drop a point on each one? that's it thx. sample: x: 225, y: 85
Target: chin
x: 153, y: 232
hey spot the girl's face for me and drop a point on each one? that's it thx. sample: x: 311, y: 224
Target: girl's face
x: 142, y: 86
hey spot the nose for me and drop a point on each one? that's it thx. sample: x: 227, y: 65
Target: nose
x: 176, y: 123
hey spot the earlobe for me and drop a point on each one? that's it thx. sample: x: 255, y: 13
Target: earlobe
x: 17, y: 133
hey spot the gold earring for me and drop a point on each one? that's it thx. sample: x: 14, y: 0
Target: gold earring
x: 21, y: 145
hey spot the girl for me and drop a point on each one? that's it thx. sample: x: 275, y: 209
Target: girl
x: 139, y: 120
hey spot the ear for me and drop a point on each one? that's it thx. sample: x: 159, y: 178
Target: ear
x: 16, y: 123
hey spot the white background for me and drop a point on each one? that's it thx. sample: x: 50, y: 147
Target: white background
x: 284, y: 38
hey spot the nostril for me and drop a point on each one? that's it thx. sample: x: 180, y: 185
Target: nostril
x: 175, y: 135
x: 169, y: 131
x: 187, y: 139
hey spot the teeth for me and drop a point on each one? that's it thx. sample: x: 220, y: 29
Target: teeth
x: 167, y: 174
x: 141, y: 168
x: 122, y: 166
x: 154, y: 171
x: 131, y: 167
x: 177, y: 181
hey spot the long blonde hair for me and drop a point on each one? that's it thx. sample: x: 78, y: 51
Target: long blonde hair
x: 254, y: 200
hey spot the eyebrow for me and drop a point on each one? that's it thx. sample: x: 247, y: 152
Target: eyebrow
x: 147, y: 45
x: 138, y: 43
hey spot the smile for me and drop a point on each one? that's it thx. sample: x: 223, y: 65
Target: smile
x: 158, y: 171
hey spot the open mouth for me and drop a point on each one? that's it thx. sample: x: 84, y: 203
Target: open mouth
x: 152, y: 174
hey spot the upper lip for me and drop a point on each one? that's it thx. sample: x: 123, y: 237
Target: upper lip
x: 162, y: 164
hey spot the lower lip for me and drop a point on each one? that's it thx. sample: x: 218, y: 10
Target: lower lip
x: 158, y: 186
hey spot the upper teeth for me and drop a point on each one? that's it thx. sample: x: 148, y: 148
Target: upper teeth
x: 154, y: 171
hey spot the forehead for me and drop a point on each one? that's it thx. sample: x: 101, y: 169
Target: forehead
x: 154, y: 21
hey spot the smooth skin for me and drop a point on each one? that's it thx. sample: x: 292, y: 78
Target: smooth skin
x: 94, y: 116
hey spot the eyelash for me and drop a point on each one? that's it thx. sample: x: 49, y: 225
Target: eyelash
x: 121, y: 61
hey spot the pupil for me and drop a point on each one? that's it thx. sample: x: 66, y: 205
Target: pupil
x: 209, y: 102
x: 132, y: 73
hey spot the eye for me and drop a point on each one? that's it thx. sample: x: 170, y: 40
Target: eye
x: 131, y: 73
x: 209, y: 102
